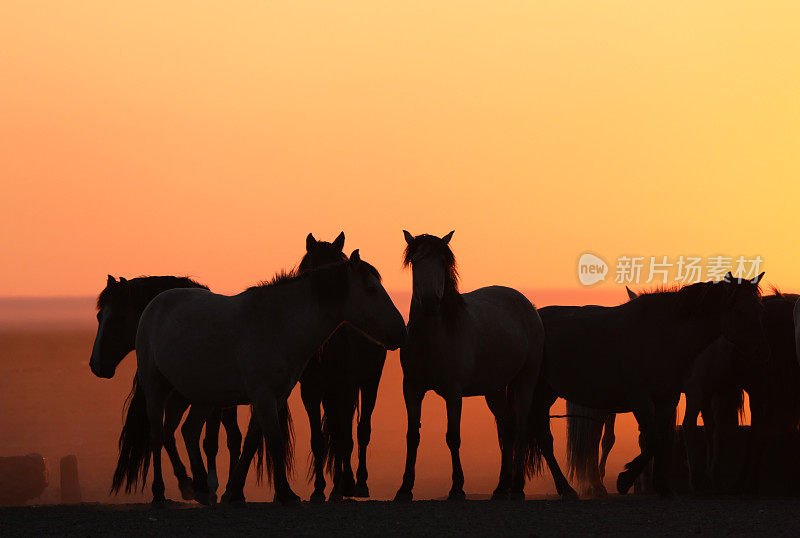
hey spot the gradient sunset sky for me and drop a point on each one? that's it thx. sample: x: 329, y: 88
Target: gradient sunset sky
x: 209, y: 138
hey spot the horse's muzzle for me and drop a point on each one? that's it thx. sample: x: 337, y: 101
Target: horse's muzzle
x: 99, y: 372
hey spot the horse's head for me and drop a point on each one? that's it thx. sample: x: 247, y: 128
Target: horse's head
x: 743, y: 319
x: 117, y: 321
x: 433, y: 269
x: 319, y: 253
x: 356, y: 286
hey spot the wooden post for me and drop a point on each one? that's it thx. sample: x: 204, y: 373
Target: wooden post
x: 70, y: 485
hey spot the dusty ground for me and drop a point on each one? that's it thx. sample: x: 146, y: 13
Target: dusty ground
x: 615, y: 516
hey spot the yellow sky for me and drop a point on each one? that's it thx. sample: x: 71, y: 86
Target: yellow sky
x: 209, y: 138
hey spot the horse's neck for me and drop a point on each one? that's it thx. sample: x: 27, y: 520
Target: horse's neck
x: 425, y: 330
x: 694, y: 334
x: 312, y: 322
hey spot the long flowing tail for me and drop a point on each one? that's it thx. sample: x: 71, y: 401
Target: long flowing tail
x: 264, y: 460
x: 134, y: 443
x: 337, y: 421
x: 584, y: 430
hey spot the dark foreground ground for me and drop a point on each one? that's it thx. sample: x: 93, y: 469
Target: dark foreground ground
x: 638, y: 516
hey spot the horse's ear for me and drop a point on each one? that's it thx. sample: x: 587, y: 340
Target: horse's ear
x: 448, y: 237
x: 123, y: 280
x: 757, y: 279
x: 728, y: 277
x: 111, y: 280
x: 338, y: 243
x: 631, y: 294
x: 310, y: 242
x: 355, y: 258
x: 408, y: 236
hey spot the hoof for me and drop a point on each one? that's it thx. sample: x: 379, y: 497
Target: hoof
x: 287, y: 499
x: 317, y: 497
x: 516, y: 495
x: 231, y: 499
x: 596, y: 492
x: 187, y: 491
x: 456, y: 495
x: 361, y: 491
x: 572, y: 495
x: 403, y: 496
x: 624, y: 482
x: 349, y: 487
x: 203, y: 497
x: 158, y: 503
x: 500, y: 495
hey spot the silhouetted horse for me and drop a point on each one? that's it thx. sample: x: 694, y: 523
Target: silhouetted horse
x: 120, y: 306
x: 773, y: 386
x: 220, y: 351
x: 347, y: 366
x: 637, y: 356
x: 714, y: 388
x: 484, y: 343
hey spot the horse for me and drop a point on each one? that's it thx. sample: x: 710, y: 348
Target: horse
x: 772, y: 385
x: 250, y: 348
x: 348, y: 369
x: 487, y: 342
x: 637, y: 356
x: 119, y: 306
x: 713, y: 389
x: 348, y: 366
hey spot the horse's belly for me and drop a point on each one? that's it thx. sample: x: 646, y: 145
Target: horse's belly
x: 214, y: 382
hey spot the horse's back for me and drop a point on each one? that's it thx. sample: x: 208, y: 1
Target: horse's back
x: 194, y: 334
x: 502, y: 304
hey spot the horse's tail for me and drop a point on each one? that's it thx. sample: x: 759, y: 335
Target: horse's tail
x: 583, y: 442
x: 260, y: 451
x: 134, y: 443
x: 337, y: 421
x: 264, y: 459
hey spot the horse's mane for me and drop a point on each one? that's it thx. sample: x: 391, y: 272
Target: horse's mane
x: 429, y: 245
x: 325, y: 278
x: 143, y: 288
x: 688, y: 299
x: 778, y: 295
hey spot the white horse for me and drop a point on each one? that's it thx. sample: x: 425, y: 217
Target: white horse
x: 487, y: 343
x: 251, y: 348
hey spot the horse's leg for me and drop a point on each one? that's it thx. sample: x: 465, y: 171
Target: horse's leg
x: 174, y: 409
x: 233, y: 436
x: 543, y: 400
x: 369, y: 395
x: 211, y: 449
x: 498, y: 405
x: 645, y: 416
x: 607, y: 442
x: 267, y: 412
x: 664, y: 439
x: 156, y: 397
x: 690, y: 429
x: 726, y: 420
x: 413, y: 400
x: 311, y: 401
x: 234, y: 491
x: 595, y: 486
x: 191, y: 430
x: 453, y: 438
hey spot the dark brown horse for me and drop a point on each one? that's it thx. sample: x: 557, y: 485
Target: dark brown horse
x: 637, y: 356
x: 119, y: 307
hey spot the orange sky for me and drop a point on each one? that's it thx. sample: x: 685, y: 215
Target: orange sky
x: 209, y: 138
